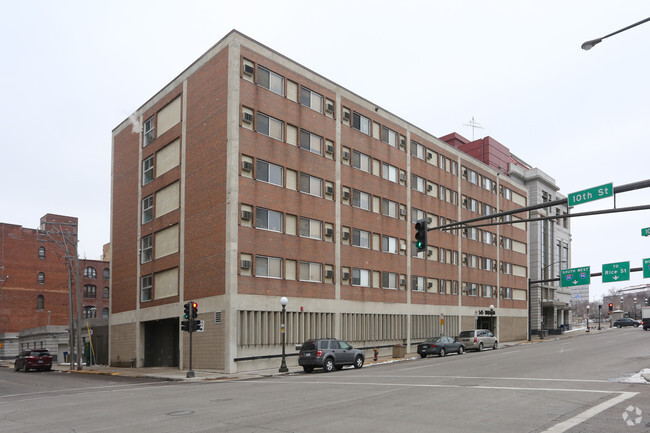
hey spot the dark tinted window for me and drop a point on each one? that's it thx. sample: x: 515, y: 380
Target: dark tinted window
x: 39, y: 353
x: 324, y: 344
x: 466, y: 334
x: 335, y: 345
x: 309, y: 345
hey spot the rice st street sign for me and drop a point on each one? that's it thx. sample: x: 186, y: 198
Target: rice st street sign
x: 613, y: 272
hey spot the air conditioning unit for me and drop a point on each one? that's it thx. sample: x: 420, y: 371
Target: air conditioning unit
x: 247, y: 166
x: 346, y: 155
x: 402, y: 212
x: 402, y: 282
x: 329, y: 232
x: 329, y: 108
x: 346, y: 115
x: 464, y: 173
x: 402, y: 141
x: 248, y: 118
x: 429, y: 252
x: 329, y: 148
x: 346, y: 235
x: 402, y: 177
x: 249, y: 70
x: 329, y: 274
x: 429, y: 188
x: 430, y: 220
x: 429, y: 285
x: 329, y: 190
x: 246, y: 215
x: 246, y: 264
x: 346, y: 275
x: 346, y: 195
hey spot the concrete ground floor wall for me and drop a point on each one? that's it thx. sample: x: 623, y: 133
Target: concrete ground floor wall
x: 244, y: 332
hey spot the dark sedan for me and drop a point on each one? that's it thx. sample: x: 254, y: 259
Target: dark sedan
x: 626, y: 321
x: 440, y: 346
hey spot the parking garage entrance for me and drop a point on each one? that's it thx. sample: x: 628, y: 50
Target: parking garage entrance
x: 161, y: 343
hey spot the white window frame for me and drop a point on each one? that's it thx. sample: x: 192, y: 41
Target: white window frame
x: 361, y: 123
x: 418, y: 284
x: 268, y: 169
x: 311, y: 142
x: 311, y: 99
x: 389, y: 172
x: 149, y: 131
x: 361, y: 199
x: 361, y: 161
x: 418, y: 150
x: 418, y: 183
x: 311, y: 228
x: 267, y: 125
x: 389, y: 136
x: 360, y: 277
x: 389, y: 280
x: 309, y: 271
x: 267, y: 219
x: 147, y: 170
x: 311, y: 185
x: 275, y: 81
x: 146, y: 249
x: 265, y: 263
x: 147, y: 209
x: 146, y: 288
x: 389, y: 208
x: 390, y: 244
x: 360, y: 238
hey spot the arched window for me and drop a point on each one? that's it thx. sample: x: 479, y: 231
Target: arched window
x: 41, y: 278
x: 90, y: 291
x: 90, y: 312
x: 90, y: 272
x: 106, y: 274
x: 41, y: 252
x: 106, y: 293
x: 105, y: 313
x: 40, y: 302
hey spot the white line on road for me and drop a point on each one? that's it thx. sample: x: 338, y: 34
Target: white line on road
x: 584, y: 416
x: 542, y: 379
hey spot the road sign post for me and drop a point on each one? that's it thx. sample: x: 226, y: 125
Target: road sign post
x: 591, y: 194
x: 575, y: 277
x: 613, y: 272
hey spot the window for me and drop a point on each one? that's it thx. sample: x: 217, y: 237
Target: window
x: 41, y: 252
x: 417, y: 150
x: 270, y: 80
x: 311, y: 142
x: 472, y: 233
x: 443, y: 284
x: 417, y: 215
x: 418, y: 284
x: 418, y: 183
x: 488, y: 183
x: 360, y: 199
x: 389, y: 172
x: 89, y: 312
x: 415, y: 252
x: 389, y: 244
x: 389, y: 136
x: 106, y: 274
x: 41, y: 278
x: 148, y: 131
x: 455, y: 287
x: 472, y: 204
x: 311, y: 272
x: 146, y: 245
x: 488, y: 237
x: 268, y: 219
x: 507, y: 292
x: 267, y: 125
x: 40, y: 302
x: 389, y: 208
x: 360, y: 277
x: 268, y: 267
x: 487, y: 209
x: 473, y: 289
x: 487, y: 291
x: 145, y: 288
x: 361, y: 161
x: 90, y: 272
x: 310, y: 228
x: 106, y: 293
x: 147, y: 170
x: 361, y: 123
x: 472, y: 176
x: 105, y: 313
x: 147, y: 209
x: 506, y: 192
x: 389, y: 280
x: 90, y: 291
x: 271, y: 173
x: 311, y: 185
x: 311, y: 99
x: 360, y: 238
x: 489, y: 264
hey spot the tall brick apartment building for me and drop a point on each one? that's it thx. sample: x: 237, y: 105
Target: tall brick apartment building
x: 250, y: 177
x: 34, y: 285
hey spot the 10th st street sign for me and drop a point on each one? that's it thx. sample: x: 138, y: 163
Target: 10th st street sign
x: 591, y: 194
x: 575, y: 276
x: 613, y: 272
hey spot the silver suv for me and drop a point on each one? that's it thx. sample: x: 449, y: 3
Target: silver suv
x: 328, y: 354
x: 478, y: 339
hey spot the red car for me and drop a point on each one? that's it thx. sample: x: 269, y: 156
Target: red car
x: 33, y: 359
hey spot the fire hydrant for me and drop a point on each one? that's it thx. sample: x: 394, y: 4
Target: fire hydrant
x: 376, y: 353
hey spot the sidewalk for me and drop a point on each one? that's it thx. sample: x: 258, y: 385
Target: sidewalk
x: 174, y: 374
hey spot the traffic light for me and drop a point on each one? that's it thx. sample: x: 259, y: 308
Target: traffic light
x: 611, y: 306
x: 185, y: 326
x: 195, y: 309
x: 197, y: 326
x: 421, y: 235
x: 186, y: 316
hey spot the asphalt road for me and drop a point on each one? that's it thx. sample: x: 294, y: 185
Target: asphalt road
x: 574, y: 384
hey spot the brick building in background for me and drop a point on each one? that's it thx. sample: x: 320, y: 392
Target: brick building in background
x: 250, y: 177
x: 34, y: 294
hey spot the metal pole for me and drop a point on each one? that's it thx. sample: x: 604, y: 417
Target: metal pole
x: 190, y: 324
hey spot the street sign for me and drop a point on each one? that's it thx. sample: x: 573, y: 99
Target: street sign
x: 646, y: 268
x: 591, y: 194
x: 613, y: 272
x: 575, y: 276
x: 645, y: 231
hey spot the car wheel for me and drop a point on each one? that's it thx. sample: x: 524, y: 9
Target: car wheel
x: 442, y: 352
x: 25, y: 368
x: 358, y: 362
x: 423, y: 355
x: 480, y: 347
x: 308, y: 369
x: 461, y: 350
x: 328, y: 366
x: 619, y: 326
x: 496, y: 346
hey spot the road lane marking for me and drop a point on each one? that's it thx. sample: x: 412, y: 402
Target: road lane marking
x: 541, y: 379
x: 589, y: 413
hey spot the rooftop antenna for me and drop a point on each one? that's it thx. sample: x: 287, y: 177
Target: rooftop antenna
x: 473, y: 124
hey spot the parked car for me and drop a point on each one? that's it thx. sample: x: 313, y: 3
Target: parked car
x: 328, y: 354
x: 440, y: 346
x: 626, y: 321
x: 646, y: 324
x: 34, y: 359
x: 478, y: 339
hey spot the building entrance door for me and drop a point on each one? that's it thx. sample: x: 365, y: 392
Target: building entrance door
x: 161, y: 343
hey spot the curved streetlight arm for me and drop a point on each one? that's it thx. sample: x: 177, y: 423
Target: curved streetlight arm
x: 590, y: 44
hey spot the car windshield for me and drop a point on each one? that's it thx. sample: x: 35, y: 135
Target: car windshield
x: 34, y: 353
x: 465, y: 334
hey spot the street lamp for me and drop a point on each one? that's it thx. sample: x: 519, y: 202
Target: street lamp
x: 635, y: 308
x: 590, y: 44
x: 283, y: 366
x: 491, y: 316
x: 587, y: 318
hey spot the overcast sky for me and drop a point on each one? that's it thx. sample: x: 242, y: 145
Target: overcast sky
x: 73, y: 70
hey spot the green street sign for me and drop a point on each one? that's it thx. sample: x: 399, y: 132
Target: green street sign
x: 591, y: 194
x: 646, y: 268
x: 575, y: 276
x: 613, y: 272
x: 645, y: 231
